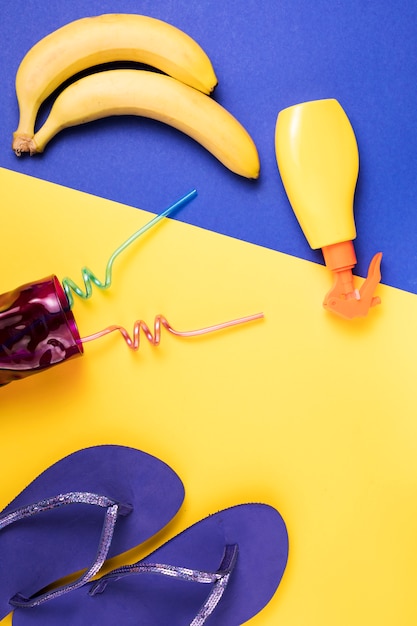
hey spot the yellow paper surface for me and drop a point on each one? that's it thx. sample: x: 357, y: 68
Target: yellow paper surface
x: 305, y: 411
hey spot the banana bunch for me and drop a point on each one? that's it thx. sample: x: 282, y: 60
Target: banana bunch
x: 179, y: 96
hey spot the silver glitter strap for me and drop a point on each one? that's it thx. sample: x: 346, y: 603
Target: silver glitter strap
x: 218, y: 579
x: 113, y: 510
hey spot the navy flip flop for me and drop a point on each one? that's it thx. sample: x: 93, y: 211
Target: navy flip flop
x: 219, y: 572
x: 91, y: 505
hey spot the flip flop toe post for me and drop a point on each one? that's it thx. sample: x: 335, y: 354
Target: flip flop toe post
x: 93, y: 504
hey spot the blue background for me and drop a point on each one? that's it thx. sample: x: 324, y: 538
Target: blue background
x: 267, y: 56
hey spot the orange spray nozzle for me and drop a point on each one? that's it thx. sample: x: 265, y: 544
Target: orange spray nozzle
x: 343, y: 298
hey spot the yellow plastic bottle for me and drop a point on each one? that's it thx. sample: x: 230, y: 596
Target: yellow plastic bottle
x: 318, y: 159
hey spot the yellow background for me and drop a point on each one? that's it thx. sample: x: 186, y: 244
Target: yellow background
x: 303, y: 410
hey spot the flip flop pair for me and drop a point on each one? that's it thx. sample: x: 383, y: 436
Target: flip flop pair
x: 220, y: 571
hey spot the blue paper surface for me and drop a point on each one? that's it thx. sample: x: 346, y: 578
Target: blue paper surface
x: 267, y: 56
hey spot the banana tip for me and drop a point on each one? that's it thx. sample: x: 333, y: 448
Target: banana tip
x: 254, y: 172
x: 213, y: 88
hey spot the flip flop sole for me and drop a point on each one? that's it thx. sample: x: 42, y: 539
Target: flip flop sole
x: 136, y: 599
x: 46, y: 547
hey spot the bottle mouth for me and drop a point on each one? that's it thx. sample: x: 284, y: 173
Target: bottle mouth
x: 67, y: 313
x: 339, y: 256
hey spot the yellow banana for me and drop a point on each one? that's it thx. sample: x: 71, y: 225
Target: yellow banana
x: 157, y: 96
x: 91, y: 41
